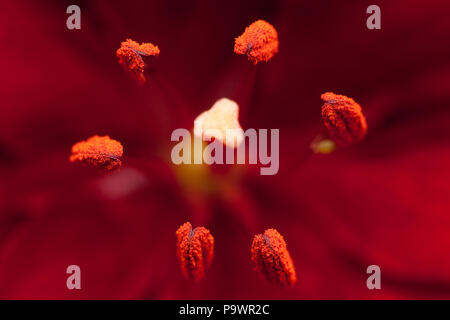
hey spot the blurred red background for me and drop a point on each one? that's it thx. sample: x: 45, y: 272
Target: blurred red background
x: 384, y: 201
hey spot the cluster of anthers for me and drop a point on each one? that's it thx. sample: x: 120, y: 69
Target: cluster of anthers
x: 195, y: 250
x: 342, y: 117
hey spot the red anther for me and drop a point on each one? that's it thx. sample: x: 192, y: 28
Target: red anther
x: 259, y: 42
x: 101, y: 152
x: 130, y: 56
x: 195, y: 250
x: 344, y: 119
x: 271, y: 257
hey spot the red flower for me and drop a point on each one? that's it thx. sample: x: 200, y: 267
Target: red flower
x: 195, y: 249
x: 385, y: 202
x: 271, y: 257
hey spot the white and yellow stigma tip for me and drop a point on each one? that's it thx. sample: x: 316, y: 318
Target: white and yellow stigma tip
x: 220, y: 122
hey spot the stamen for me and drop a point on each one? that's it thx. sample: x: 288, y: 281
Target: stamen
x: 195, y: 250
x: 130, y: 57
x: 259, y: 42
x: 101, y: 152
x: 272, y: 259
